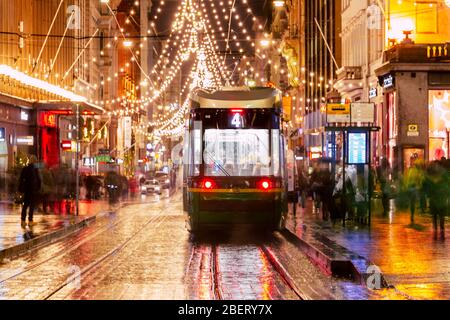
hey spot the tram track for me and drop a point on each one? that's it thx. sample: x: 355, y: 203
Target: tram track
x: 66, y: 250
x: 78, y: 241
x: 282, y: 272
x: 157, y: 220
x: 278, y: 268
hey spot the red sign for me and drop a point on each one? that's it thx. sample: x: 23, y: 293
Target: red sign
x: 49, y: 120
x: 66, y: 145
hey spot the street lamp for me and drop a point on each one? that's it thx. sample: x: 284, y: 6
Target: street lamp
x: 265, y: 43
x: 127, y: 43
x: 278, y: 4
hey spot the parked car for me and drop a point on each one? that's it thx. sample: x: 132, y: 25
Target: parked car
x: 150, y: 187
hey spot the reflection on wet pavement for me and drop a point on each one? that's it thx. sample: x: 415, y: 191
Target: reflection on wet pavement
x: 145, y: 252
x: 411, y: 258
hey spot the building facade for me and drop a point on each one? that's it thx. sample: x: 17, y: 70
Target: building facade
x: 395, y: 55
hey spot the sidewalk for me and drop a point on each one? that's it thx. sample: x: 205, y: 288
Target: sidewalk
x: 409, y: 258
x: 14, y: 239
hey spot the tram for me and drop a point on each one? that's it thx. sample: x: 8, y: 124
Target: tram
x: 234, y: 160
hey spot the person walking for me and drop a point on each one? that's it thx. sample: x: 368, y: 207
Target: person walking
x: 437, y: 188
x: 414, y: 180
x: 30, y: 186
x: 48, y: 189
x: 382, y: 172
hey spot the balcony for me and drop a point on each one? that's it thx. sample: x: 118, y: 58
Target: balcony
x: 418, y: 53
x: 349, y: 81
x: 349, y: 73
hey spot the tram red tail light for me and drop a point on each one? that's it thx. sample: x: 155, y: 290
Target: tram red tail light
x: 208, y: 184
x: 265, y: 184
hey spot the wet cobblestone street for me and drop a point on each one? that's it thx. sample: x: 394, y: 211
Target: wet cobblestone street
x: 143, y: 251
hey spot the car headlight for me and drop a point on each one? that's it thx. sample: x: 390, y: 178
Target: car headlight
x: 143, y: 188
x: 156, y: 188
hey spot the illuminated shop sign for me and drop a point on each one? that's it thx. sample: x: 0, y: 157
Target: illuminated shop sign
x: 2, y: 134
x: 48, y: 119
x: 66, y: 145
x: 24, y: 115
x: 25, y: 140
x: 373, y: 93
x: 88, y: 162
x: 387, y: 81
x: 315, y: 153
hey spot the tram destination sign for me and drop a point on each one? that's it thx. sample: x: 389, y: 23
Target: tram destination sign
x: 338, y: 113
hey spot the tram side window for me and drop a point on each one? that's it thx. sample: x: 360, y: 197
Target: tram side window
x: 276, y: 152
x: 195, y: 149
x: 186, y: 153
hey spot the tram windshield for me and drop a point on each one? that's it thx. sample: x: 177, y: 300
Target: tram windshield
x: 241, y: 153
x: 228, y: 143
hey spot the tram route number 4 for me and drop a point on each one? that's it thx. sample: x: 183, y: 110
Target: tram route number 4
x: 226, y: 309
x: 236, y: 121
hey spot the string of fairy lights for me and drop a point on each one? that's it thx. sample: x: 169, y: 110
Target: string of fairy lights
x: 207, y: 71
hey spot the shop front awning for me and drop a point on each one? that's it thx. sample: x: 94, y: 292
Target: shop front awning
x: 67, y: 107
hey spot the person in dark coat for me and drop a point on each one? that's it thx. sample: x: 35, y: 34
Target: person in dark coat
x: 383, y: 179
x: 437, y: 187
x: 30, y: 186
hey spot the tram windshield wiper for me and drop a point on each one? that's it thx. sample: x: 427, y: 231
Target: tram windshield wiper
x: 218, y: 164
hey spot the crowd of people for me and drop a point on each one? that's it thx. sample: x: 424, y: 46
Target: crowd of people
x: 55, y: 188
x: 425, y: 186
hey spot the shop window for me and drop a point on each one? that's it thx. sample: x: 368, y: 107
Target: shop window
x: 439, y: 124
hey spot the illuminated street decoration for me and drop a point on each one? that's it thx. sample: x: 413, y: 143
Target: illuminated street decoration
x: 39, y: 84
x: 291, y: 55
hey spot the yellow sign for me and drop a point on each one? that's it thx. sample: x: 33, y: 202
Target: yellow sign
x: 338, y: 113
x: 338, y: 108
x: 287, y: 108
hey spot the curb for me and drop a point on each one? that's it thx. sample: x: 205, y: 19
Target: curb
x: 337, y: 266
x: 349, y: 266
x: 50, y: 237
x: 45, y: 238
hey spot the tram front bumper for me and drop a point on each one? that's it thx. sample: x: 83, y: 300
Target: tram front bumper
x: 237, y: 208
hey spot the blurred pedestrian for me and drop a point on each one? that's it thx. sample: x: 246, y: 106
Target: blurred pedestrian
x: 30, y: 186
x: 90, y: 184
x: 383, y: 179
x: 323, y: 186
x: 124, y: 186
x: 303, y: 187
x: 48, y: 189
x: 437, y: 188
x: 113, y: 185
x: 414, y: 180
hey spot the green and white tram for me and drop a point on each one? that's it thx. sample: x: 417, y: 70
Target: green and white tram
x: 235, y: 170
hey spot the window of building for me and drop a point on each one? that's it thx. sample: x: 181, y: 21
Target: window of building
x: 439, y: 123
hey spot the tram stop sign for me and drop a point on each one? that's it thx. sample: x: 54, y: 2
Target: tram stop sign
x: 338, y: 113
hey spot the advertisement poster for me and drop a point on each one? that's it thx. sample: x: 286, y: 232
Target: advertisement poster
x: 439, y: 123
x: 357, y: 148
